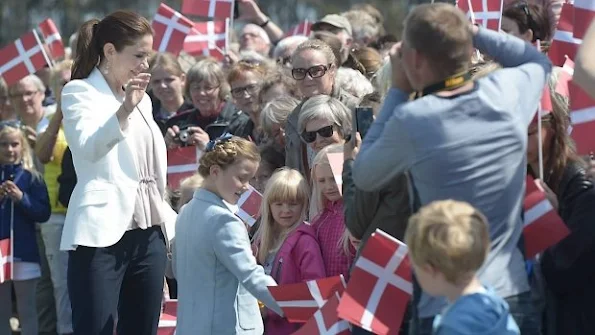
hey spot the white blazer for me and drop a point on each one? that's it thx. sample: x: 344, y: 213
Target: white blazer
x: 102, y: 203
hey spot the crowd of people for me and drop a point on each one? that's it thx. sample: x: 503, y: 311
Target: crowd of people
x: 101, y: 238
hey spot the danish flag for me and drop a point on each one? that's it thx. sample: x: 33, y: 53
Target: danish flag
x: 171, y: 28
x: 380, y: 286
x: 300, y: 301
x: 249, y: 206
x: 167, y: 320
x: 564, y: 78
x: 181, y: 163
x: 302, y: 29
x: 23, y: 57
x: 582, y: 115
x: 584, y: 14
x: 564, y: 42
x: 52, y: 38
x: 487, y: 13
x: 219, y: 9
x: 6, y: 268
x: 205, y: 37
x: 326, y: 321
x: 543, y: 226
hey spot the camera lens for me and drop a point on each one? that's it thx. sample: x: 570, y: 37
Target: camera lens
x: 184, y: 136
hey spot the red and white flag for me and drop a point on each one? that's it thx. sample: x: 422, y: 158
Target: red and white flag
x: 564, y: 42
x: 23, y: 57
x: 564, y: 78
x: 380, y: 286
x: 249, y: 206
x: 543, y: 226
x: 302, y: 29
x: 167, y: 320
x: 584, y: 14
x: 326, y: 321
x: 181, y: 163
x: 336, y: 162
x: 206, y: 36
x: 52, y: 38
x: 171, y: 28
x: 6, y: 265
x: 487, y: 13
x: 582, y: 115
x: 219, y: 9
x: 300, y: 301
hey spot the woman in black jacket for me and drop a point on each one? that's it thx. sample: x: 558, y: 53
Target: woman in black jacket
x: 567, y: 267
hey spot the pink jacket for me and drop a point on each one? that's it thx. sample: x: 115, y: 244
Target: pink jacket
x: 298, y: 260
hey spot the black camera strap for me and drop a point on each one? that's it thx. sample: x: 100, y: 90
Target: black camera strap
x: 448, y: 84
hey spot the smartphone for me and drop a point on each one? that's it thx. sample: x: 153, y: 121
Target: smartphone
x: 364, y: 116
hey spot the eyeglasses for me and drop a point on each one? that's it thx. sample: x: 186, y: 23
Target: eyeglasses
x: 310, y: 136
x: 316, y: 71
x: 238, y: 92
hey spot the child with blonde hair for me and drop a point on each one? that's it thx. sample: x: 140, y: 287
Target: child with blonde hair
x: 212, y: 246
x: 288, y: 248
x: 448, y: 242
x: 326, y: 213
x: 187, y: 188
x: 24, y: 201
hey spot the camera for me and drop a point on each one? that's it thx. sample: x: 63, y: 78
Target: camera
x: 184, y: 135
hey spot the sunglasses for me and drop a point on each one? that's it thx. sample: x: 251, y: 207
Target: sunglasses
x: 530, y: 22
x: 310, y: 136
x: 316, y: 71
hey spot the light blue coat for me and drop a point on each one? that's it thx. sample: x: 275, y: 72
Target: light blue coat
x: 218, y: 278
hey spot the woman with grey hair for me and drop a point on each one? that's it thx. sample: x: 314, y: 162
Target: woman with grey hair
x: 314, y: 69
x: 273, y: 118
x: 323, y: 121
x: 213, y: 112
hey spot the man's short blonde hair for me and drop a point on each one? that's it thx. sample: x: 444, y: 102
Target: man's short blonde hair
x: 450, y: 236
x: 442, y: 33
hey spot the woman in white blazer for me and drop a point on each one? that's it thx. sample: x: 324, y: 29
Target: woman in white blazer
x: 219, y: 280
x: 115, y: 228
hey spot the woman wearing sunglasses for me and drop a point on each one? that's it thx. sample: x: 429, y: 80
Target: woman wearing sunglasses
x: 314, y: 69
x: 323, y: 121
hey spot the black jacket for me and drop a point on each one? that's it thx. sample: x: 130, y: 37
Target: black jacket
x: 568, y: 267
x: 229, y: 120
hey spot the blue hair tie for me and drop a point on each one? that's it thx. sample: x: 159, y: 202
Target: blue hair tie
x: 221, y: 139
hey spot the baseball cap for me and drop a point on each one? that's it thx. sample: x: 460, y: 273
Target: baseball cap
x: 335, y: 20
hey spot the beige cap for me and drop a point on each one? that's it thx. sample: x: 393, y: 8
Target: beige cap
x: 335, y: 20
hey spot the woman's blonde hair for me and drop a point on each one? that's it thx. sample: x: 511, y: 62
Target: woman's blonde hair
x: 56, y: 74
x: 27, y: 153
x: 317, y: 200
x: 286, y: 185
x: 167, y: 62
x: 226, y: 153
